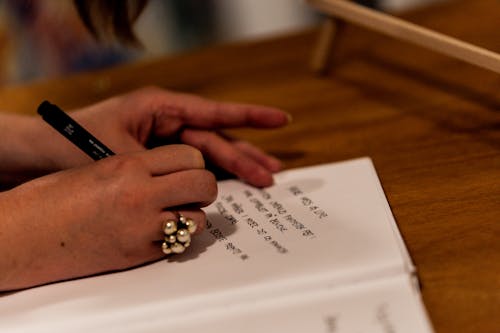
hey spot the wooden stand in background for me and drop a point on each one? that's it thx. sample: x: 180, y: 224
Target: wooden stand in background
x: 320, y: 61
x: 394, y: 27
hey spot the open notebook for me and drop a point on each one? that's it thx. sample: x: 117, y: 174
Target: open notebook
x: 317, y: 252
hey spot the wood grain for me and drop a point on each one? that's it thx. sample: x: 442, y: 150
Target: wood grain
x: 430, y: 123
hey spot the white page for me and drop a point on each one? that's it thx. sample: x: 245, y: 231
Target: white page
x: 351, y: 237
x: 374, y: 306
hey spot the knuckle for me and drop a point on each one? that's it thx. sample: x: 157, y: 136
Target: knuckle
x: 158, y: 98
x: 123, y: 181
x: 152, y: 97
x: 196, y: 157
x: 236, y: 164
x: 129, y: 198
x: 201, y: 220
x: 219, y: 116
x: 192, y: 155
x: 209, y: 185
x: 200, y: 139
x: 125, y: 164
x: 150, y: 89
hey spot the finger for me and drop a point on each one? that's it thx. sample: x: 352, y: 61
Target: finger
x: 189, y: 187
x: 228, y: 157
x: 199, y: 112
x: 172, y: 158
x: 269, y: 162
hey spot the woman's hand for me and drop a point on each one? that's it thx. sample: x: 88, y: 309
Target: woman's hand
x: 127, y: 123
x: 100, y: 217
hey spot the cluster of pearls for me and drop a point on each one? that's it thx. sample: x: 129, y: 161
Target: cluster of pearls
x: 177, y: 234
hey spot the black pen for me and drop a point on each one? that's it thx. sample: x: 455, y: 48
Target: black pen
x: 73, y: 131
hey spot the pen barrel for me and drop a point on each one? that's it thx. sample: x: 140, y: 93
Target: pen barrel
x: 73, y: 131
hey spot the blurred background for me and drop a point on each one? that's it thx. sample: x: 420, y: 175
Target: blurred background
x: 45, y: 38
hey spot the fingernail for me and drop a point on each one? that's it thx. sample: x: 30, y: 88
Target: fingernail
x: 264, y: 179
x: 289, y: 117
x: 272, y: 181
x: 277, y: 165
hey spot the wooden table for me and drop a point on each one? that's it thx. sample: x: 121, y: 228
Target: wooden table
x: 431, y: 124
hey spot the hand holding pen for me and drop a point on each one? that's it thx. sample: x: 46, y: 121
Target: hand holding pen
x: 130, y: 122
x: 109, y: 215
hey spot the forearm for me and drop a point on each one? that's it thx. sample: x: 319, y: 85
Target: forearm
x: 21, y: 149
x: 30, y: 240
x: 13, y: 242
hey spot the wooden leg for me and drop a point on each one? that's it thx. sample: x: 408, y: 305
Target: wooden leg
x: 320, y: 61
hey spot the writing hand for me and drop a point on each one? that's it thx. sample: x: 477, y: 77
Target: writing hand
x: 101, y: 217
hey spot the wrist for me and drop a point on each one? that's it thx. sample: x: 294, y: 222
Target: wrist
x: 13, y: 256
x: 28, y: 149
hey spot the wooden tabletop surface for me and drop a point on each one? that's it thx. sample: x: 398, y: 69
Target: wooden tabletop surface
x: 431, y: 124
